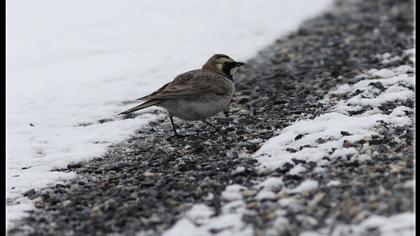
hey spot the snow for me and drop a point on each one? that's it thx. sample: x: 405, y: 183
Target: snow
x: 271, y: 183
x: 331, y: 134
x: 233, y: 192
x: 306, y: 186
x: 411, y: 53
x: 387, y: 58
x: 199, y: 214
x: 328, y: 126
x: 297, y: 169
x: 201, y: 220
x: 266, y: 195
x: 73, y: 65
x: 290, y: 202
x: 384, y: 73
x: 400, y: 224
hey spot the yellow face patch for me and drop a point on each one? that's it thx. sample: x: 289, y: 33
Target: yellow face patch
x: 219, y: 66
x: 221, y: 61
x: 233, y: 70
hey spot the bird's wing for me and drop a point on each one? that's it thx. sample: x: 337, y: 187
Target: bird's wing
x: 189, y: 85
x: 154, y: 93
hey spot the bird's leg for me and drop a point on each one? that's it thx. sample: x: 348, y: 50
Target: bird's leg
x: 210, y: 124
x: 173, y: 126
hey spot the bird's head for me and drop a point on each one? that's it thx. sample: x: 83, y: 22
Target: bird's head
x: 222, y: 64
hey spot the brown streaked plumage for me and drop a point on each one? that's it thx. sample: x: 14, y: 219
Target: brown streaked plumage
x: 197, y: 94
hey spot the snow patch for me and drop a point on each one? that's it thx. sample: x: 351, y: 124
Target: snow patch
x: 297, y: 169
x: 306, y: 186
x: 271, y: 183
x: 331, y: 135
x: 200, y: 219
x: 233, y: 192
x: 266, y: 195
x: 401, y: 224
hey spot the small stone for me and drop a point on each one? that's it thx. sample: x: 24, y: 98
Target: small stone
x: 298, y: 161
x: 397, y: 168
x: 347, y: 144
x: 39, y: 204
x: 345, y: 133
x: 280, y: 101
x: 30, y: 193
x: 96, y: 211
x: 299, y: 137
x: 238, y: 170
x: 291, y: 150
x: 66, y: 203
x: 182, y: 151
x: 254, y: 205
x: 377, y: 85
x: 74, y: 166
x: 270, y: 216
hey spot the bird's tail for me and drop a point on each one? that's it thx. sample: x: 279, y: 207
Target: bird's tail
x: 141, y: 106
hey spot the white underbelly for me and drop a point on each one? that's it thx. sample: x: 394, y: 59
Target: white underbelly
x: 197, y: 110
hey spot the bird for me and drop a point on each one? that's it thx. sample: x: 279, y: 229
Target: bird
x: 196, y: 94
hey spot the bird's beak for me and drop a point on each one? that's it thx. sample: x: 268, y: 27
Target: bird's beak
x: 238, y: 64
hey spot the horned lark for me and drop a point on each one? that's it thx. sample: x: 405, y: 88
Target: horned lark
x: 197, y: 94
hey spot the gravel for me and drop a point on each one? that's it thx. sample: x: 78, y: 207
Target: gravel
x: 147, y: 182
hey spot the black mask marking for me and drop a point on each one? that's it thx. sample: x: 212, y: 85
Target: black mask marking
x: 221, y: 56
x: 227, y: 67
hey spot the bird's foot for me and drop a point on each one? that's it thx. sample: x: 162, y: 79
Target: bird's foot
x: 179, y: 135
x: 175, y: 136
x: 216, y: 129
